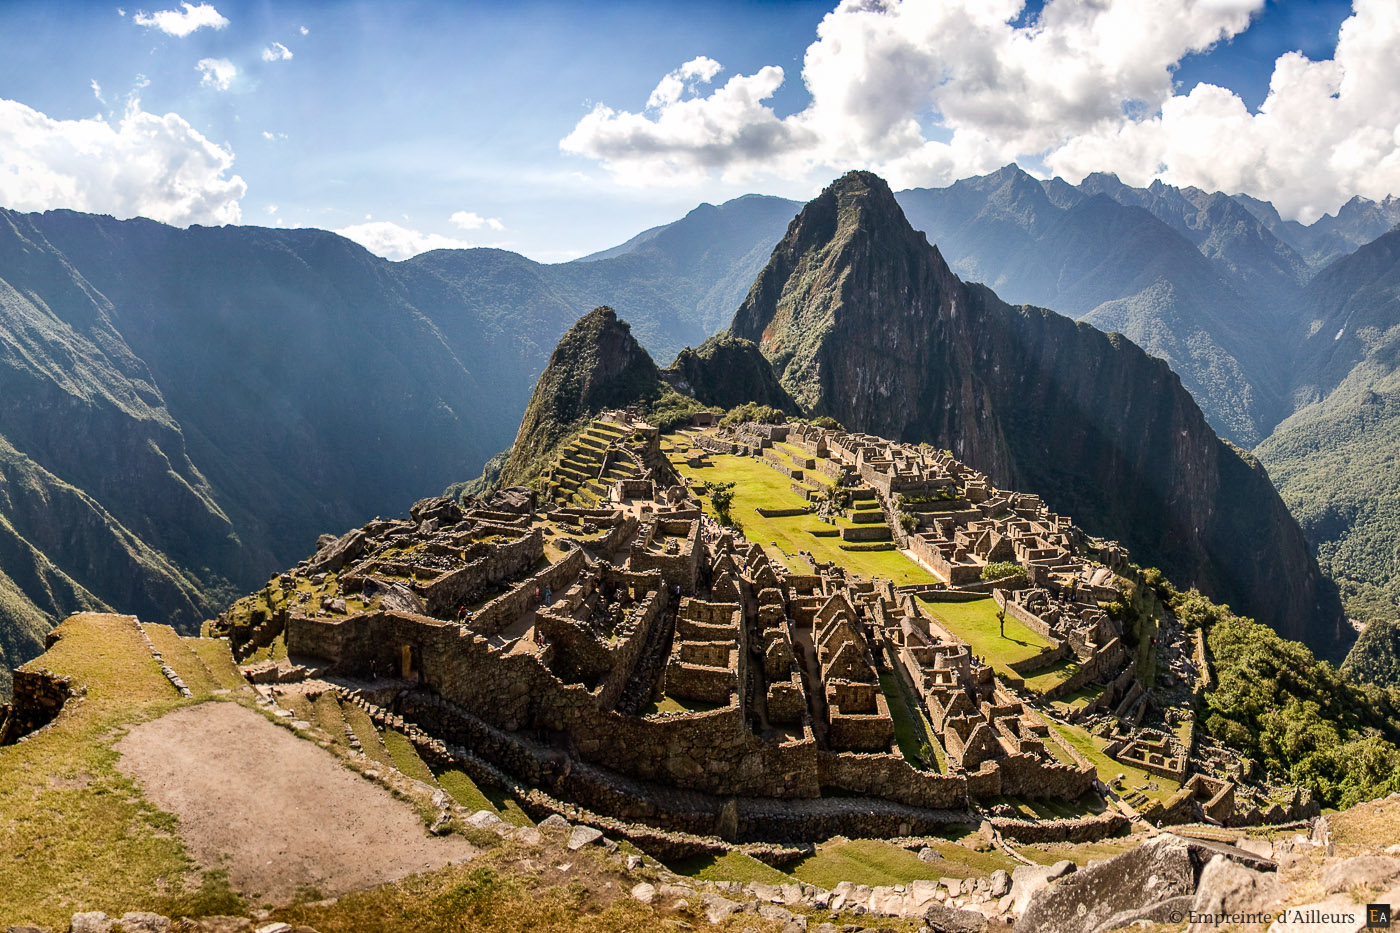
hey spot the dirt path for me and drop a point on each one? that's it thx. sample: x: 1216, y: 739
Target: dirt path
x: 279, y: 813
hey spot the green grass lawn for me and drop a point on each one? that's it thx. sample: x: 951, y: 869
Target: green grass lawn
x: 1076, y: 701
x: 1091, y: 747
x: 731, y: 866
x: 976, y: 623
x: 217, y: 657
x: 469, y: 794
x: 370, y: 742
x: 1052, y: 676
x: 182, y: 659
x: 863, y: 861
x: 760, y: 486
x: 406, y: 757
x: 909, y: 733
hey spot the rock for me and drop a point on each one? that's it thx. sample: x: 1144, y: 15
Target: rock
x: 921, y: 894
x: 275, y: 928
x: 766, y: 892
x: 224, y: 925
x: 1000, y: 883
x: 1061, y: 868
x: 25, y: 929
x: 529, y: 835
x: 1260, y: 847
x: 951, y: 920
x: 1026, y: 882
x: 140, y: 921
x: 791, y: 893
x: 718, y: 909
x: 94, y: 921
x: 953, y: 885
x: 634, y: 862
x: 485, y: 819
x: 1368, y: 871
x: 442, y: 824
x: 644, y: 892
x: 582, y: 836
x: 1172, y: 910
x: 774, y: 912
x: 555, y: 821
x: 927, y: 854
x: 1229, y: 888
x: 1164, y: 867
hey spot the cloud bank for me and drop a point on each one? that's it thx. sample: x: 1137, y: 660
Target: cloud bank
x: 927, y: 93
x: 141, y: 165
x: 387, y: 239
x: 181, y: 23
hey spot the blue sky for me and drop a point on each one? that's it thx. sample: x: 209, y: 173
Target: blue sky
x: 355, y: 116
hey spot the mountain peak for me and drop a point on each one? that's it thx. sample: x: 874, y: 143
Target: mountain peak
x: 596, y: 365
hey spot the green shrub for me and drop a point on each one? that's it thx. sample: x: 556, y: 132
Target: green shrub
x: 1003, y: 568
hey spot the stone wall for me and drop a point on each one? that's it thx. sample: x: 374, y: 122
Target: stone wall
x: 37, y: 698
x: 1087, y: 829
x: 890, y: 777
x: 500, y: 561
x: 710, y: 751
x: 508, y: 607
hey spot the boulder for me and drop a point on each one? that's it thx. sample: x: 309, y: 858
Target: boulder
x: 1166, y: 866
x: 582, y: 836
x: 951, y: 920
x: 1226, y: 887
x: 644, y: 892
x: 1367, y: 871
x: 334, y: 556
x: 93, y: 921
x: 1170, y: 911
x: 555, y: 821
x: 1000, y: 883
x: 718, y: 909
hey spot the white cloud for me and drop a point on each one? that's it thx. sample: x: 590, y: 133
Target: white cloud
x: 271, y: 209
x: 276, y: 52
x: 142, y: 165
x: 929, y: 92
x: 469, y: 220
x: 182, y: 22
x: 388, y: 239
x: 217, y: 73
x: 96, y: 90
x: 305, y: 31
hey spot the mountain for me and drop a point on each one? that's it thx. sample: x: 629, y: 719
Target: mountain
x: 1375, y: 658
x: 597, y: 365
x: 727, y: 371
x: 183, y: 411
x: 1331, y: 236
x: 1337, y: 458
x: 864, y: 321
x: 1148, y: 264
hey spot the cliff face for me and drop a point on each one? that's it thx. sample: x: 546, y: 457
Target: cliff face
x: 862, y: 320
x: 597, y: 365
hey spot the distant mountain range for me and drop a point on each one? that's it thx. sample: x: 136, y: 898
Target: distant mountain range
x: 183, y: 411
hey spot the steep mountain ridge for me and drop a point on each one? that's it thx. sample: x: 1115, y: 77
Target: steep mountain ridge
x: 864, y: 321
x: 1102, y: 253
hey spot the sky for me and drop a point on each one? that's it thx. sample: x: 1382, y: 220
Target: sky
x: 558, y: 129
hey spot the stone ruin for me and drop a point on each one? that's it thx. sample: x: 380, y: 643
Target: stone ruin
x: 609, y: 643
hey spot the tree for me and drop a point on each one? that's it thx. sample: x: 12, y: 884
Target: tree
x: 722, y: 497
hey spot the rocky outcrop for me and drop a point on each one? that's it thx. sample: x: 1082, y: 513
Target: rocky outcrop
x: 863, y: 321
